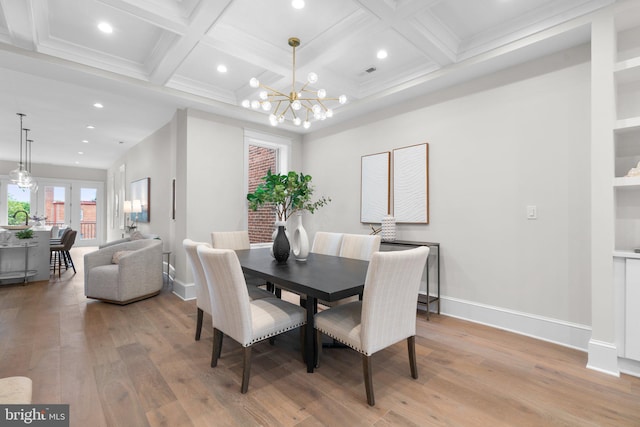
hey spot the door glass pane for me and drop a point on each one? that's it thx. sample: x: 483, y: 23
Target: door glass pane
x: 18, y: 199
x: 88, y: 209
x: 54, y: 205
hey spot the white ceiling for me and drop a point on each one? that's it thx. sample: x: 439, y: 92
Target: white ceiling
x: 163, y: 54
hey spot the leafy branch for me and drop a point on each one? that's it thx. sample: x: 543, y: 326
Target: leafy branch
x: 287, y: 194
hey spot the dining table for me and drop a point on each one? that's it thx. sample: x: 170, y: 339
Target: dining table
x: 320, y: 277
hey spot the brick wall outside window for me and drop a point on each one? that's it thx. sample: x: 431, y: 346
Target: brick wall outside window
x: 261, y: 159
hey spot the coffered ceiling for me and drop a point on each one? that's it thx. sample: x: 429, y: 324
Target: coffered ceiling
x: 163, y: 55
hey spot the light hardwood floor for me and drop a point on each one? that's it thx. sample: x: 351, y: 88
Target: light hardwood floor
x: 139, y: 365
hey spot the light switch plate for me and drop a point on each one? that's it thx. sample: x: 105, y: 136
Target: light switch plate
x: 532, y: 212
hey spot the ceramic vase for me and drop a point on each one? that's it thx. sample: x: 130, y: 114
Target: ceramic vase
x: 300, y: 241
x: 388, y: 228
x: 281, y: 247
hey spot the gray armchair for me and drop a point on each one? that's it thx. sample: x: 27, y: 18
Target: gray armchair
x: 135, y: 273
x: 135, y: 235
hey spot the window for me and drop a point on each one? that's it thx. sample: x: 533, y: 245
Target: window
x: 18, y: 199
x: 263, y: 153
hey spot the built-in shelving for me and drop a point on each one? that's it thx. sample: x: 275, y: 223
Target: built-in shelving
x: 626, y: 131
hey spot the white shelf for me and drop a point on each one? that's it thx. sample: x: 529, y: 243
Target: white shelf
x: 621, y: 253
x: 627, y: 125
x: 627, y: 71
x: 627, y: 182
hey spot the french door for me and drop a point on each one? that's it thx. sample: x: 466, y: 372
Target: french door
x: 77, y: 205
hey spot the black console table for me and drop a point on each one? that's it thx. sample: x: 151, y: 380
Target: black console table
x: 434, y: 253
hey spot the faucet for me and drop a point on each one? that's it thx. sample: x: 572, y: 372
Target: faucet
x: 26, y: 214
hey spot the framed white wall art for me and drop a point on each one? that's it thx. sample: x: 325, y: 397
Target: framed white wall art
x: 375, y: 187
x: 411, y: 184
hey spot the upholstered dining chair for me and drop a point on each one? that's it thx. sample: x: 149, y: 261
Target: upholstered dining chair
x: 236, y: 240
x: 235, y: 315
x: 203, y: 299
x: 387, y: 313
x: 356, y: 246
x: 359, y: 246
x: 326, y: 243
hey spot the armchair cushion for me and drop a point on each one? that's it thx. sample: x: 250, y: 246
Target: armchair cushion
x: 117, y: 255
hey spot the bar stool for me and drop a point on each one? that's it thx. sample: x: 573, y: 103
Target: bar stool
x: 59, y: 252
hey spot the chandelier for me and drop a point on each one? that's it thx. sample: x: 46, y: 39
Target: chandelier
x: 299, y: 106
x: 21, y: 175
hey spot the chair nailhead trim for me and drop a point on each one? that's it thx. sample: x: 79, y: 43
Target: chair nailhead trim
x: 339, y: 340
x: 262, y: 338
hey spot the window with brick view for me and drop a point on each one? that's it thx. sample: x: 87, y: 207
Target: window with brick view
x: 261, y: 221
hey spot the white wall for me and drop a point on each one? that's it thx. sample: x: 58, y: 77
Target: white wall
x: 492, y: 152
x: 152, y: 157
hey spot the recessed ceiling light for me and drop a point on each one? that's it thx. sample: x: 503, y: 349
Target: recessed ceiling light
x: 91, y: 127
x: 86, y: 141
x: 297, y: 4
x: 382, y: 54
x: 105, y: 27
x: 80, y: 152
x: 222, y: 68
x: 98, y: 105
x: 77, y: 162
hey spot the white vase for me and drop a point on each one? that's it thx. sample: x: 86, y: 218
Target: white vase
x: 388, y: 228
x: 300, y: 241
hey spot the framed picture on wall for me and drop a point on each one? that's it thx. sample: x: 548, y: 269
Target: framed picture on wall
x: 374, y: 187
x: 411, y: 184
x: 141, y: 190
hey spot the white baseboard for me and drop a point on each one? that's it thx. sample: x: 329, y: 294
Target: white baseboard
x: 184, y: 291
x: 603, y: 357
x: 567, y: 334
x: 629, y: 367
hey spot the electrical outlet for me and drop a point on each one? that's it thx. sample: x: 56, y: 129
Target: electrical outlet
x: 532, y: 212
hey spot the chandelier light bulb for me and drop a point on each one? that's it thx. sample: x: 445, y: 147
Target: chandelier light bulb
x: 297, y: 4
x: 297, y: 121
x: 281, y: 118
x: 273, y: 120
x: 322, y: 93
x: 306, y: 124
x: 312, y: 77
x: 254, y: 83
x: 329, y: 113
x: 316, y: 109
x: 296, y: 105
x: 246, y: 103
x: 342, y: 99
x: 255, y: 104
x: 264, y: 95
x: 266, y: 106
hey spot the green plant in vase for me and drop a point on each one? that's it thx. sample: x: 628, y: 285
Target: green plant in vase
x: 25, y: 234
x: 286, y: 194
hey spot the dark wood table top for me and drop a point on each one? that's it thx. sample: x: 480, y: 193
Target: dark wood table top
x: 325, y: 277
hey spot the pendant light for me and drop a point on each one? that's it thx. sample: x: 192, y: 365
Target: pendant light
x: 34, y: 184
x: 21, y: 175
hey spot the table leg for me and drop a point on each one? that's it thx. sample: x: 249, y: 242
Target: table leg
x: 310, y: 336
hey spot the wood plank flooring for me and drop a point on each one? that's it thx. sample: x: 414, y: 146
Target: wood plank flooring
x: 139, y: 365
